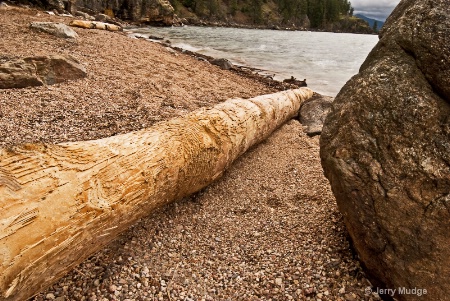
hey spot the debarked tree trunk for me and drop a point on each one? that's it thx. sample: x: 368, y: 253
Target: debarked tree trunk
x: 60, y: 203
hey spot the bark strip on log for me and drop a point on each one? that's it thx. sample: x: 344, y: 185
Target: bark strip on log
x: 60, y: 203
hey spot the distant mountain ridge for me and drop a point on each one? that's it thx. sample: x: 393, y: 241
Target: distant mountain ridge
x: 371, y: 21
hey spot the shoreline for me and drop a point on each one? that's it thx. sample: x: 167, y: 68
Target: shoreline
x: 242, y: 70
x: 302, y: 54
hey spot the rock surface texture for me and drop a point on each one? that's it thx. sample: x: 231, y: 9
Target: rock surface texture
x: 385, y: 149
x: 153, y: 11
x: 39, y: 70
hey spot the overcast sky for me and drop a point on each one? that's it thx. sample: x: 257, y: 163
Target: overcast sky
x: 376, y: 9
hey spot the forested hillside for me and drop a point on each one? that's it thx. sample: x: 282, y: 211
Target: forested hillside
x: 331, y: 15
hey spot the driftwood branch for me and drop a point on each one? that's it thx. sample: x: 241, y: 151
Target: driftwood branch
x: 95, y: 25
x: 60, y: 203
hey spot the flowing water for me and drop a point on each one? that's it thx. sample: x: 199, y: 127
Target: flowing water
x: 326, y: 60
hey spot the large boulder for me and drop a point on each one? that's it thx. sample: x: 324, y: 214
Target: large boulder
x: 40, y: 70
x: 385, y: 148
x: 57, y: 29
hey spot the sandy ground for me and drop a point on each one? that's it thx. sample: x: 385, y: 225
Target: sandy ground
x: 268, y: 229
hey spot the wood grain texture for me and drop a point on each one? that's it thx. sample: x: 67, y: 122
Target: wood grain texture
x: 61, y: 203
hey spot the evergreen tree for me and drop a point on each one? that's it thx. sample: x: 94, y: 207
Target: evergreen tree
x: 233, y: 7
x: 213, y: 7
x: 255, y: 10
x: 375, y: 26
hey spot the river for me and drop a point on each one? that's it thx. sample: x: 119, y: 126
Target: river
x: 326, y: 60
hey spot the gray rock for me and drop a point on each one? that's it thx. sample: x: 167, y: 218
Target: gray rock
x: 37, y: 71
x: 84, y: 16
x: 56, y: 4
x: 385, y: 147
x: 313, y: 112
x: 57, y: 29
x: 296, y: 82
x: 102, y: 18
x: 222, y: 63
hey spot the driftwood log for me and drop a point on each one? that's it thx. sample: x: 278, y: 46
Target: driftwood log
x: 95, y: 25
x: 60, y: 203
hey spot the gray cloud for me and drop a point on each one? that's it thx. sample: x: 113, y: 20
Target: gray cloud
x: 378, y: 9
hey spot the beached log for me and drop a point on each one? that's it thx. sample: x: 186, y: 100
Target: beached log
x: 95, y: 25
x: 60, y: 203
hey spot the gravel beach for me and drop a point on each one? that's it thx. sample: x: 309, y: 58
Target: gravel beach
x: 269, y: 229
x: 131, y: 84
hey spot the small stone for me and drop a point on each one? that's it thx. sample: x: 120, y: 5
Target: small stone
x: 50, y: 296
x: 224, y: 64
x: 349, y: 297
x: 278, y: 281
x: 112, y: 288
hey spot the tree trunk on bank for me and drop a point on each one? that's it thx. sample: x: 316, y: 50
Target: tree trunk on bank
x: 61, y: 203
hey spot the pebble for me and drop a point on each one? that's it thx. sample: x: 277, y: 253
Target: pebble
x: 278, y: 281
x: 50, y: 296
